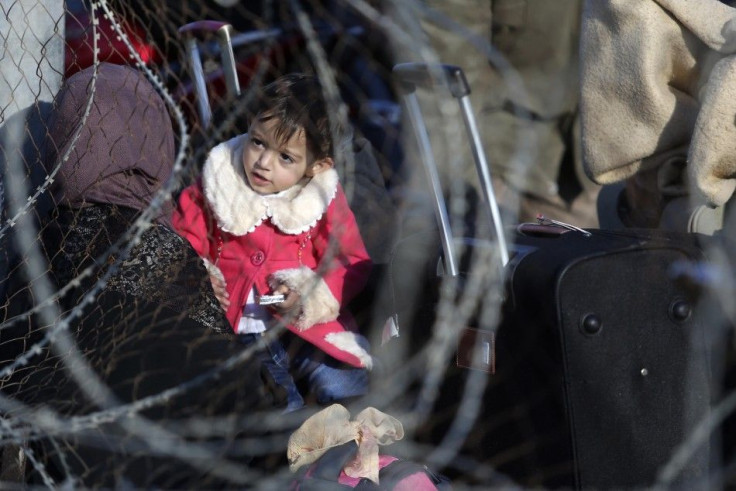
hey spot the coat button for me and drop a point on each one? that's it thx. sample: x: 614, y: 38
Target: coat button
x: 257, y: 258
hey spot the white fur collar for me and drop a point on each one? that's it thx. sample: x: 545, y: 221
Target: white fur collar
x: 239, y: 210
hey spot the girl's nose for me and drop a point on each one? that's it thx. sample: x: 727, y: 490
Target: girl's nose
x: 265, y: 160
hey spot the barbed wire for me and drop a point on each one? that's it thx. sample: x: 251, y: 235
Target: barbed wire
x: 412, y: 387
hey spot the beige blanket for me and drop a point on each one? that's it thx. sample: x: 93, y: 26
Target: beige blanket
x: 332, y: 426
x: 659, y: 82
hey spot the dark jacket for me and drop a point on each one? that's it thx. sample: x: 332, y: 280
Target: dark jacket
x: 124, y: 343
x: 151, y: 324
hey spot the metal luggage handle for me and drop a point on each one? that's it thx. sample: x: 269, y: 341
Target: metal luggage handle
x: 195, y: 32
x: 413, y: 75
x: 426, y: 75
x: 227, y: 39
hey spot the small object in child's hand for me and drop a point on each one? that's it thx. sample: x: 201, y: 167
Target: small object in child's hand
x: 270, y: 299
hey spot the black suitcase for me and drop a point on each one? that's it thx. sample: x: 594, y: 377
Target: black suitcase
x: 599, y: 368
x: 602, y: 364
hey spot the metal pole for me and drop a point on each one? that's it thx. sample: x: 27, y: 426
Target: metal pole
x: 484, y: 174
x: 200, y: 88
x: 430, y: 166
x: 228, y: 60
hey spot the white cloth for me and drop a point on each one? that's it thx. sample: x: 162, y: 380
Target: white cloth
x: 255, y: 317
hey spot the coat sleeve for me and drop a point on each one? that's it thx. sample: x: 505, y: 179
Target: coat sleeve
x: 341, y: 251
x: 343, y: 266
x: 192, y: 221
x: 658, y: 83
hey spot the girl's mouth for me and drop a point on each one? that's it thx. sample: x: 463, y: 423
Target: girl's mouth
x: 258, y: 179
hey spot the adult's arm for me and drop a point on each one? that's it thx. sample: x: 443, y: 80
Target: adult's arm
x: 191, y: 221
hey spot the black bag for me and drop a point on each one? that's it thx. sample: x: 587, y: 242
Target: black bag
x: 600, y: 368
x: 602, y: 362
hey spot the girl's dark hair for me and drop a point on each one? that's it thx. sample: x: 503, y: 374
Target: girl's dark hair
x: 297, y: 102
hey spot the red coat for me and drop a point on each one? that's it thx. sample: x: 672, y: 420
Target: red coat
x: 305, y: 236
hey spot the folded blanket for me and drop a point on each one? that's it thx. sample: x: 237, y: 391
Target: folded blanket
x: 659, y: 83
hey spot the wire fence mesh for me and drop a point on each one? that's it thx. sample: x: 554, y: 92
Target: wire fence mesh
x: 118, y: 365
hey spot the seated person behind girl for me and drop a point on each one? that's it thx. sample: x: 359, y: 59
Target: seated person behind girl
x: 269, y: 216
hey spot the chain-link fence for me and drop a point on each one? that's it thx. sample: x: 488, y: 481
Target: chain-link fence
x: 120, y: 363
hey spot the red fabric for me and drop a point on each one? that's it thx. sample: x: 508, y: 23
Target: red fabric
x: 416, y: 482
x: 248, y: 260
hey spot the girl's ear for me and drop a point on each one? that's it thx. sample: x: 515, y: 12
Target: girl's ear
x: 319, y: 166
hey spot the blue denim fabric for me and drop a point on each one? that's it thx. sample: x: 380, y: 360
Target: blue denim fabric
x: 328, y: 379
x: 275, y: 359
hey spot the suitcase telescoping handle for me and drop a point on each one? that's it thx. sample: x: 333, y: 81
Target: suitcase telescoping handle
x: 199, y: 31
x: 194, y: 32
x: 412, y: 75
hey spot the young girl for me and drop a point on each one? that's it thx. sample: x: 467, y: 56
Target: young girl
x: 269, y: 216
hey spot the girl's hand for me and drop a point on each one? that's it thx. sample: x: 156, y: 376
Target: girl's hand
x: 218, y: 285
x: 291, y: 299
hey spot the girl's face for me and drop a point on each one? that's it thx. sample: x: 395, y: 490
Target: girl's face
x: 272, y: 166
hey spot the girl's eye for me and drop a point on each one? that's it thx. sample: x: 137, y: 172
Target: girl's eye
x: 257, y: 142
x: 286, y: 158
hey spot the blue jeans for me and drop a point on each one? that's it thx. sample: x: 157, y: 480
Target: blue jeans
x: 327, y: 379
